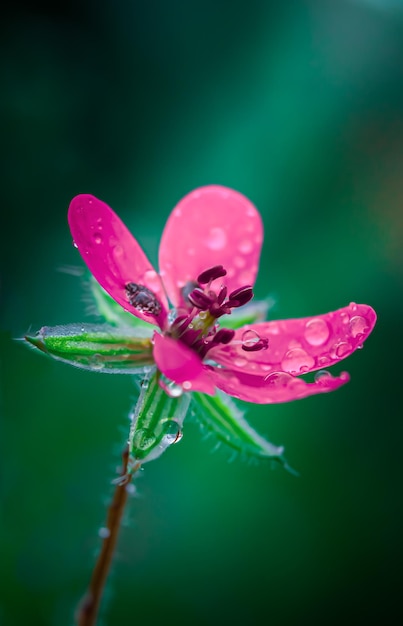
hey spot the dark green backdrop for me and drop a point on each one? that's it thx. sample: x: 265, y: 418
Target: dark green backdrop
x: 299, y: 105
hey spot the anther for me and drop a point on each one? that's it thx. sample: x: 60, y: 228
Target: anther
x: 211, y: 274
x: 241, y: 295
x: 199, y: 299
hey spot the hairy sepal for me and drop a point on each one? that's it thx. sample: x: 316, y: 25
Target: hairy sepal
x: 95, y: 347
x: 220, y: 416
x: 157, y: 420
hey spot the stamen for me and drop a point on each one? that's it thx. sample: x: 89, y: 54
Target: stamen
x: 199, y: 299
x: 222, y: 295
x: 211, y: 274
x: 188, y: 288
x: 254, y: 343
x: 241, y: 295
x: 143, y: 299
x: 224, y: 335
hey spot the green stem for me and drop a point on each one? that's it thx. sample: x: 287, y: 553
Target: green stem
x: 88, y: 607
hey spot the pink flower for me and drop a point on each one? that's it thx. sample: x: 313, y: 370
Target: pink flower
x: 208, y: 257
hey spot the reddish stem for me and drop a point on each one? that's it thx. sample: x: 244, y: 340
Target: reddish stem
x: 88, y: 607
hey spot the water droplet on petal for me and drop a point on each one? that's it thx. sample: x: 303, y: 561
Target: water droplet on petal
x: 358, y: 326
x: 353, y: 306
x: 245, y: 246
x: 296, y: 361
x: 278, y: 379
x: 239, y: 262
x: 342, y: 349
x: 316, y: 331
x: 97, y: 238
x: 246, y: 278
x: 322, y: 360
x: 217, y: 238
x: 118, y: 251
x: 344, y: 317
x: 187, y: 385
x: 240, y: 362
x: 294, y: 344
x: 143, y: 439
x: 265, y: 368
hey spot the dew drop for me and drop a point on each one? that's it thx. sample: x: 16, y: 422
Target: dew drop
x: 353, y: 306
x: 321, y: 377
x: 342, y: 349
x: 217, y: 239
x: 96, y: 362
x: 187, y: 385
x: 245, y: 246
x: 173, y: 390
x: 118, y: 251
x: 240, y: 362
x: 152, y: 280
x: 104, y: 532
x: 74, y: 244
x: 143, y: 439
x: 294, y: 344
x: 358, y: 326
x: 278, y: 379
x: 316, y: 331
x: 265, y: 368
x: 97, y: 237
x: 246, y: 278
x: 296, y: 361
x: 344, y: 317
x: 239, y: 262
x: 173, y: 432
x: 322, y: 360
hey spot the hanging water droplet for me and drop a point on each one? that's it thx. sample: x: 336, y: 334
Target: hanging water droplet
x: 245, y: 246
x: 118, y: 251
x: 104, y: 532
x: 217, y: 239
x: 173, y: 433
x: 316, y: 331
x: 174, y: 390
x: 358, y: 326
x: 296, y: 361
x: 322, y: 376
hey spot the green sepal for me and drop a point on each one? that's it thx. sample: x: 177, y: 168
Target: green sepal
x: 157, y: 419
x: 251, y: 313
x: 220, y: 416
x: 96, y: 347
x: 111, y: 311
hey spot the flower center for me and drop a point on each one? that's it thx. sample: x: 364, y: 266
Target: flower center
x: 198, y: 327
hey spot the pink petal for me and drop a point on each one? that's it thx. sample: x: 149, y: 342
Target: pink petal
x: 180, y: 364
x: 299, y: 345
x: 112, y: 254
x: 210, y: 226
x: 275, y: 387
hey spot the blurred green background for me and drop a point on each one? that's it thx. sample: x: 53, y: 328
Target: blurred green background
x: 298, y: 105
